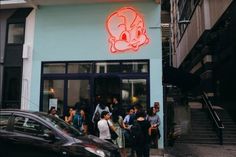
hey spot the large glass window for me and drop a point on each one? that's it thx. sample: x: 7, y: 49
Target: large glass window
x: 134, y: 91
x: 107, y: 67
x: 15, y: 33
x: 79, y: 67
x: 53, y: 95
x: 53, y: 68
x: 79, y: 82
x: 78, y: 92
x: 134, y: 67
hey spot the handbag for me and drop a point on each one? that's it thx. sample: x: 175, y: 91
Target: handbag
x: 96, y: 117
x: 156, y: 132
x: 114, y: 135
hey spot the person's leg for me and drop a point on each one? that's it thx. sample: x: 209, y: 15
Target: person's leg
x: 146, y: 150
x: 123, y: 152
x: 139, y: 152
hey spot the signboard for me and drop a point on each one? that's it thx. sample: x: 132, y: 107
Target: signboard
x: 53, y: 102
x: 126, y: 29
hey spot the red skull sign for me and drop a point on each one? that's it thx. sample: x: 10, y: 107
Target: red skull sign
x: 126, y: 30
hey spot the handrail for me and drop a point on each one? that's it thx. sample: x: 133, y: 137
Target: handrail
x: 218, y: 123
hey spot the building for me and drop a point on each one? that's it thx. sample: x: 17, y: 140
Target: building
x: 203, y: 44
x: 69, y: 52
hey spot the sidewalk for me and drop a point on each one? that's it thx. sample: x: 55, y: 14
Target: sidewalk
x: 156, y: 153
x: 195, y: 150
x: 200, y: 150
x: 153, y: 152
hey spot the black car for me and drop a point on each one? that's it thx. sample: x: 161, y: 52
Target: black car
x: 37, y: 134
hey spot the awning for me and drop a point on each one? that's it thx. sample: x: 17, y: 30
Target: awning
x: 180, y: 78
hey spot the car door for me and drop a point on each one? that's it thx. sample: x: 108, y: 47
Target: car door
x: 31, y: 138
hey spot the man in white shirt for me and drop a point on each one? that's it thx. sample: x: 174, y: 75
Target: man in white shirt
x: 104, y: 132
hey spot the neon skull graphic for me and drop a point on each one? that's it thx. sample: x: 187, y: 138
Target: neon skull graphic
x: 126, y: 30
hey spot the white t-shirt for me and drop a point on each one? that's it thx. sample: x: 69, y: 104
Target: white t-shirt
x: 104, y: 132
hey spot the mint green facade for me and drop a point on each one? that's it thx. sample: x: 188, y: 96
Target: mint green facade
x: 78, y: 33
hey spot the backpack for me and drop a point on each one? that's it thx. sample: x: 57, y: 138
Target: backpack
x: 137, y: 135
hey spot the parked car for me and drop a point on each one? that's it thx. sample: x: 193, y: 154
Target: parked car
x: 37, y: 134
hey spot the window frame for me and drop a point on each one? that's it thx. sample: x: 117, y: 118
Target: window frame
x: 93, y: 75
x: 7, y: 33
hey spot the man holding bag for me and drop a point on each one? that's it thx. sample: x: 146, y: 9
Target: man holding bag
x: 103, y: 126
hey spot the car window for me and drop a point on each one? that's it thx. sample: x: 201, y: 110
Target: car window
x: 4, y: 121
x: 61, y: 125
x: 29, y: 126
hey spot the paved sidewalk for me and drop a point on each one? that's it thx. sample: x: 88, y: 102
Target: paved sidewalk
x: 195, y: 150
x: 200, y: 150
x: 156, y: 153
x: 153, y: 152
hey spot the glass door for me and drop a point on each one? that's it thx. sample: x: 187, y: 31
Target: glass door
x: 53, y: 95
x: 134, y: 91
x: 107, y: 87
x: 78, y: 94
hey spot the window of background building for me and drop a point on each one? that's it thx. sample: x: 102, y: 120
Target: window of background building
x: 185, y: 10
x: 15, y: 33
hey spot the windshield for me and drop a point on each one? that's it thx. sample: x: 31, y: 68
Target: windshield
x: 61, y: 125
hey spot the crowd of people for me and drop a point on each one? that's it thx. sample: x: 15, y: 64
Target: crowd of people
x: 136, y: 128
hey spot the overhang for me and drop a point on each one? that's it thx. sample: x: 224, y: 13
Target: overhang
x: 184, y: 80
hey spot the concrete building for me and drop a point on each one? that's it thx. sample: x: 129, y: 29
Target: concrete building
x: 203, y: 36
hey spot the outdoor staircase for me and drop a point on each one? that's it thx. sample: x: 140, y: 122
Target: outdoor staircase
x: 229, y: 131
x: 202, y: 131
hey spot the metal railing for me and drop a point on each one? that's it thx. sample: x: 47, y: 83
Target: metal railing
x: 214, y: 117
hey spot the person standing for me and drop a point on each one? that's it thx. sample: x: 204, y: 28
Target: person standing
x: 118, y: 124
x: 97, y: 113
x: 140, y: 131
x: 80, y: 121
x: 116, y: 106
x: 70, y: 115
x: 154, y: 120
x: 53, y: 111
x: 103, y: 126
x: 98, y: 110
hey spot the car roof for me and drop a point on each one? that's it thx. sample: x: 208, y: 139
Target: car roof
x: 21, y: 111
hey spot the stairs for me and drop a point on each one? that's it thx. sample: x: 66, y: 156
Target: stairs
x: 202, y: 129
x: 229, y: 132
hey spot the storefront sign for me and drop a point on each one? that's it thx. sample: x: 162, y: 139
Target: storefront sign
x: 126, y: 29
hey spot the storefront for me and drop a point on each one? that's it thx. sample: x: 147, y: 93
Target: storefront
x: 67, y: 84
x: 106, y: 49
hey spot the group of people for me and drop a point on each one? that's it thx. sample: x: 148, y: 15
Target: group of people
x: 137, y: 127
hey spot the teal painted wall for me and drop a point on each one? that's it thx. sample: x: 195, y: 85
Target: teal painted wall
x: 67, y: 33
